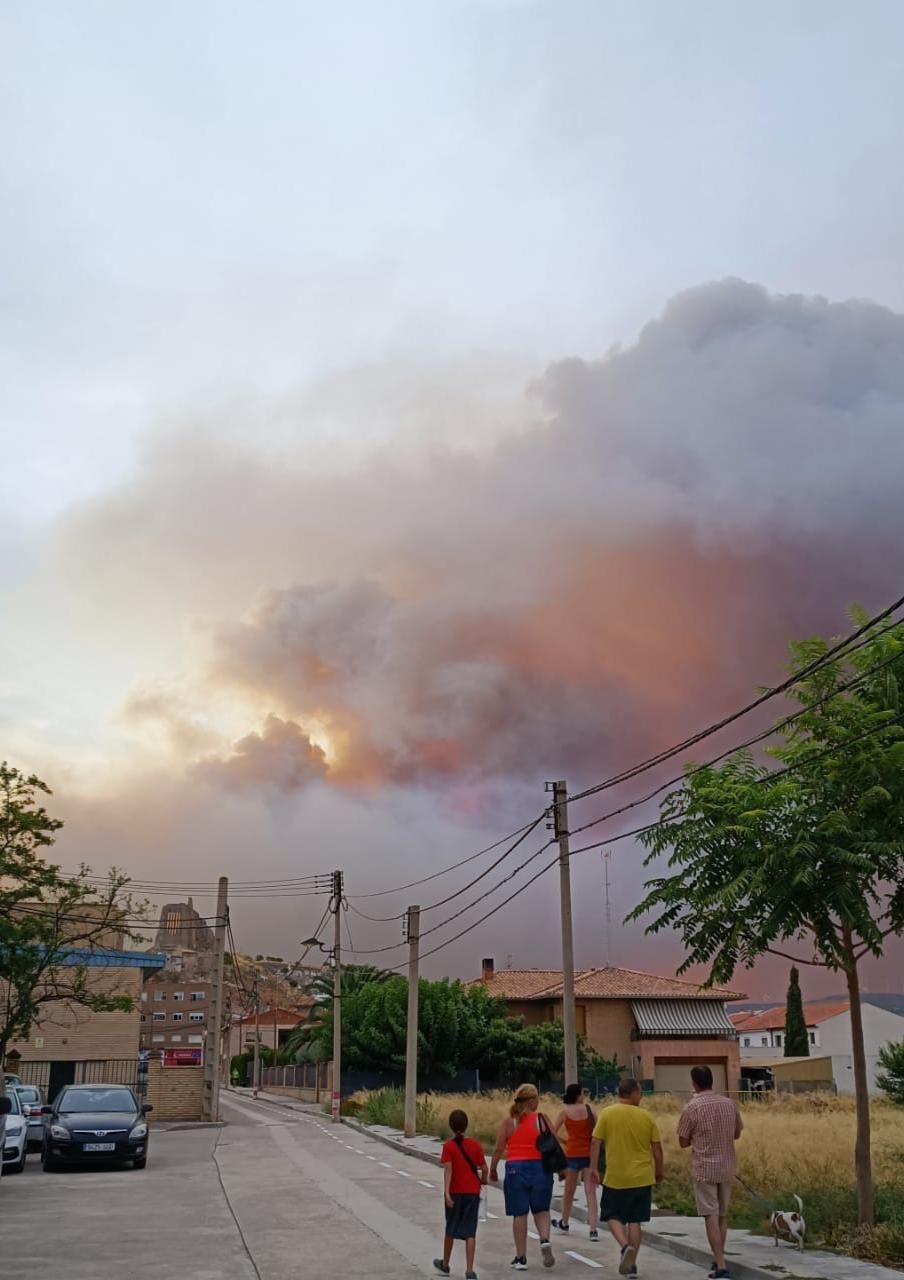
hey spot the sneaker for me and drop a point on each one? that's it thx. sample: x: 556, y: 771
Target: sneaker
x: 441, y: 1266
x: 713, y: 1268
x: 633, y: 1271
x: 518, y: 1264
x: 594, y: 1234
x: 628, y: 1254
x: 549, y: 1259
x: 720, y: 1273
x: 559, y: 1225
x: 470, y: 1275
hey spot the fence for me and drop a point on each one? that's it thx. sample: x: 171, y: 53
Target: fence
x: 51, y: 1077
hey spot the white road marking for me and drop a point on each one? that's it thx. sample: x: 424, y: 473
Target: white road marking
x: 383, y: 1164
x: 533, y: 1235
x: 371, y: 1157
x: 403, y: 1174
x: 492, y: 1215
x: 426, y: 1184
x: 588, y: 1262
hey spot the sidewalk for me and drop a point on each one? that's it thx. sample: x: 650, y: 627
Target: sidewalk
x: 750, y: 1257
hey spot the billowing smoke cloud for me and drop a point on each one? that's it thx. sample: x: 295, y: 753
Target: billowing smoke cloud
x: 556, y: 603
x: 573, y: 597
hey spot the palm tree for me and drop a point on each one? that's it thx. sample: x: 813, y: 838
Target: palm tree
x: 302, y: 1041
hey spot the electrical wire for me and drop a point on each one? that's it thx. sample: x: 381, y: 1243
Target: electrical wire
x: 412, y: 884
x: 825, y: 658
x: 743, y: 746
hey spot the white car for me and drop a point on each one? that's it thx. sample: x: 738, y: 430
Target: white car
x: 15, y: 1138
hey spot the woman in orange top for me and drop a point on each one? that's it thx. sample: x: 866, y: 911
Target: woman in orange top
x: 578, y: 1120
x: 527, y: 1186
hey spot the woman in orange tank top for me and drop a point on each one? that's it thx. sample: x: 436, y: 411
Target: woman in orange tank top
x: 527, y: 1186
x: 578, y: 1120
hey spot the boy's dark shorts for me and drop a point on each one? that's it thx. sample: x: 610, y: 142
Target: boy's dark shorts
x: 461, y: 1219
x: 626, y: 1204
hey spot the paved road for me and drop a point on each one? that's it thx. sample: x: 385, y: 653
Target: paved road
x: 275, y: 1194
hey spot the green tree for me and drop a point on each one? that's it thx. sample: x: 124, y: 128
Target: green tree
x: 891, y: 1081
x: 797, y: 1039
x: 810, y: 854
x: 47, y: 917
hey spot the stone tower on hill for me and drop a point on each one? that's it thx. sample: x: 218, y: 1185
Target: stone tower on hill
x: 182, y: 929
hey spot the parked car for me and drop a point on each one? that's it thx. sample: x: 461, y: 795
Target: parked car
x: 32, y: 1104
x: 15, y: 1137
x: 95, y: 1123
x: 10, y: 1079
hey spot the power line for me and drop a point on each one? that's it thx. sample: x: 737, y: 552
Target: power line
x: 750, y: 742
x: 382, y: 893
x: 767, y: 694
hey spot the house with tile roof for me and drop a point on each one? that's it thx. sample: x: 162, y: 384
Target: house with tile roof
x: 762, y: 1036
x: 657, y: 1027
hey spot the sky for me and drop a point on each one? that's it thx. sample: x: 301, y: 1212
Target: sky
x: 407, y: 404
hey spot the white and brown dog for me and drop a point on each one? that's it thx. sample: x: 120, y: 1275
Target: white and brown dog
x: 789, y: 1226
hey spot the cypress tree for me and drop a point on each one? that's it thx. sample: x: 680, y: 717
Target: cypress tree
x: 797, y: 1040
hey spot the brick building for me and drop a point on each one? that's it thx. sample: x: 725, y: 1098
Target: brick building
x: 175, y: 1008
x: 658, y: 1028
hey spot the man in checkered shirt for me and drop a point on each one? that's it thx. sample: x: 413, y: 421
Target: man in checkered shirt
x: 710, y: 1125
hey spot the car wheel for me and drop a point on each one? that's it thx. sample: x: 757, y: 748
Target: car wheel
x: 140, y: 1163
x: 18, y: 1168
x: 48, y: 1164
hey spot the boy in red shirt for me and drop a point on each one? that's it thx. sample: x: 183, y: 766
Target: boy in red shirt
x: 464, y: 1173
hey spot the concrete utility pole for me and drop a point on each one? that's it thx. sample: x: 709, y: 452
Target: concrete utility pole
x: 210, y: 1098
x: 256, y: 1070
x: 413, y: 921
x: 336, y: 904
x: 569, y: 1020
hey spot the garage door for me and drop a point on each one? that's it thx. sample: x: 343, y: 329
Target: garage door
x: 671, y: 1077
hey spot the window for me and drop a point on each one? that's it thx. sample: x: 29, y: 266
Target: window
x: 812, y: 1037
x: 198, y: 995
x: 195, y: 1039
x: 580, y: 1019
x: 764, y: 1039
x: 176, y: 1039
x: 179, y: 995
x: 144, y: 997
x: 160, y: 1017
x: 178, y: 1017
x: 157, y: 1039
x: 196, y: 1017
x: 159, y: 996
x: 746, y: 1042
x: 778, y: 1038
x: 144, y: 1017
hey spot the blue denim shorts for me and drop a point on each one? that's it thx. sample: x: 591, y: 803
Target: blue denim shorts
x: 527, y: 1188
x: 578, y: 1162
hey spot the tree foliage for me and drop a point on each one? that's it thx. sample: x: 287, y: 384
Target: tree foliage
x: 47, y: 916
x: 891, y: 1079
x: 809, y: 855
x: 797, y: 1039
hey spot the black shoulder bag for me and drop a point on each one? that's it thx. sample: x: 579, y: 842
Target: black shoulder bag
x: 550, y: 1148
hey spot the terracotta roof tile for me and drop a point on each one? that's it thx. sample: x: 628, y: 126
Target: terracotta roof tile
x: 774, y: 1019
x: 599, y: 984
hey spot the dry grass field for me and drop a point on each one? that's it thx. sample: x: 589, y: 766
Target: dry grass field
x: 801, y: 1144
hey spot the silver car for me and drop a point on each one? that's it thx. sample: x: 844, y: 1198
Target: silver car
x: 14, y: 1148
x: 32, y: 1106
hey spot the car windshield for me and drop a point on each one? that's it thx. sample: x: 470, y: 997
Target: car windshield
x: 97, y: 1100
x: 27, y: 1094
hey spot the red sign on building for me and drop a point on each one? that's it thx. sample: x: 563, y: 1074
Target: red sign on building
x: 182, y: 1057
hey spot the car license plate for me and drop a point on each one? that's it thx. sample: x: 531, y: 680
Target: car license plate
x: 100, y: 1146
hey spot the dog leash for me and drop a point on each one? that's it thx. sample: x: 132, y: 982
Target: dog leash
x: 754, y: 1195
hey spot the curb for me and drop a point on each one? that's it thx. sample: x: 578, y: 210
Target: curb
x: 397, y: 1144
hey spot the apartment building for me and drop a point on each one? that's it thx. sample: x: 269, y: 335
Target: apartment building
x: 175, y: 1010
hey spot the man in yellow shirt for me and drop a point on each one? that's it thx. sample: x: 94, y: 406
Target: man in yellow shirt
x: 633, y: 1164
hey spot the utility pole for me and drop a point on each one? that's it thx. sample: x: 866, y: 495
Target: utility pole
x: 256, y: 1069
x: 605, y: 857
x: 413, y: 930
x: 210, y: 1098
x: 336, y: 905
x: 569, y: 1021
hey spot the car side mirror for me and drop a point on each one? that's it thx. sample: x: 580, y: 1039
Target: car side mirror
x: 145, y: 1108
x: 45, y: 1111
x: 6, y: 1106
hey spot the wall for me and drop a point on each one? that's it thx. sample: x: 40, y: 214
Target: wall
x: 689, y: 1053
x: 175, y: 1092
x: 879, y: 1027
x: 72, y: 1033
x: 610, y: 1026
